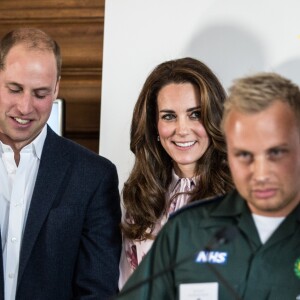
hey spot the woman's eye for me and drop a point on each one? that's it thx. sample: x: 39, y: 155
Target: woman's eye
x: 195, y: 115
x: 168, y: 117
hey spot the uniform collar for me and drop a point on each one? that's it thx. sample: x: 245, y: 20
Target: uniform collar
x: 232, y: 205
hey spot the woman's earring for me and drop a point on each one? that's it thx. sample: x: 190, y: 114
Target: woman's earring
x: 158, y: 139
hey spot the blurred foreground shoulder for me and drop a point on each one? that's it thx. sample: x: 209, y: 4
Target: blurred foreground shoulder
x: 207, y: 203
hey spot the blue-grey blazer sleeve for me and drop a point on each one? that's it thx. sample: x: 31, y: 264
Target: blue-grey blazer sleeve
x: 97, y: 268
x: 72, y: 242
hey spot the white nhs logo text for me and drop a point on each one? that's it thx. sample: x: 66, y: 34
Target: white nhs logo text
x: 213, y: 257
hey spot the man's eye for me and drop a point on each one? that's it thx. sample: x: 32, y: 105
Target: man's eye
x: 277, y: 153
x: 40, y: 96
x: 244, y: 156
x: 12, y: 91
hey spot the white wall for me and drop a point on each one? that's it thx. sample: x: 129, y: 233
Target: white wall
x: 232, y: 37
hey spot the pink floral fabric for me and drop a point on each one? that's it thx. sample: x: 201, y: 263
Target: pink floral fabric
x: 133, y: 251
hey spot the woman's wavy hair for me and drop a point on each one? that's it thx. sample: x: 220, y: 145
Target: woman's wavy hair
x: 144, y: 191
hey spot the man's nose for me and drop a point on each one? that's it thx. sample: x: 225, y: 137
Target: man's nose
x: 261, y: 169
x: 25, y: 104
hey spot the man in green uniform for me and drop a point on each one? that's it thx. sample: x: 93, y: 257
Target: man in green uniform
x: 261, y: 124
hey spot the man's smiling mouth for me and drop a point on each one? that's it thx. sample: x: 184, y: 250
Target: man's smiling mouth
x: 22, y: 121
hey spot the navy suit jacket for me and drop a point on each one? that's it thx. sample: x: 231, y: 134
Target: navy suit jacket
x: 71, y: 243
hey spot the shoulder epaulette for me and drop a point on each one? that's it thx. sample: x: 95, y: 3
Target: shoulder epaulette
x: 198, y: 203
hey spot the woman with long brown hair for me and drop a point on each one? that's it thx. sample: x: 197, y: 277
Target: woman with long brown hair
x: 180, y: 153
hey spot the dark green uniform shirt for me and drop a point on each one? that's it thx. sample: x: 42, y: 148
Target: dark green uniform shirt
x: 254, y: 270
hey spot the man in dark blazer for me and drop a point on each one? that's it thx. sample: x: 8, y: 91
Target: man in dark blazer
x: 66, y: 242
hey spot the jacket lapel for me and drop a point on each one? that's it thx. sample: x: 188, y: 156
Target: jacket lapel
x: 53, y: 167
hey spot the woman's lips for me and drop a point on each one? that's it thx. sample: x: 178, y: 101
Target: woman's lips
x: 184, y: 144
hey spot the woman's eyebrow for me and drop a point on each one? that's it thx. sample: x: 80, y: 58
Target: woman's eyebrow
x: 193, y: 108
x: 167, y: 110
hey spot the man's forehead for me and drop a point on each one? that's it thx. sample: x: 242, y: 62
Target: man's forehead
x: 272, y: 126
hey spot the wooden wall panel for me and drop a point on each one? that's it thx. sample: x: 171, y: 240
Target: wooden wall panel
x: 78, y: 28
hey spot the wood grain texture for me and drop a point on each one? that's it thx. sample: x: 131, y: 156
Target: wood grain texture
x: 78, y: 28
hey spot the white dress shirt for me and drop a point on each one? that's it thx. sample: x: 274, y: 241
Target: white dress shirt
x: 16, y: 188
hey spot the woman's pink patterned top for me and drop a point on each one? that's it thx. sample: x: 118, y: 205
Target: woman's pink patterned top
x: 133, y: 251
